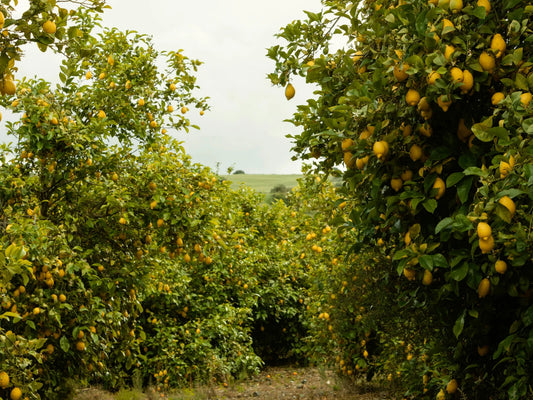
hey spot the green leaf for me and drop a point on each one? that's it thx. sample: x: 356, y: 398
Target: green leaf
x: 482, y: 130
x: 527, y: 317
x: 64, y: 344
x: 444, y: 223
x: 430, y: 205
x: 463, y: 189
x: 426, y: 262
x: 476, y: 171
x: 459, y: 324
x: 440, y: 261
x: 458, y: 274
x: 453, y: 178
x: 527, y: 125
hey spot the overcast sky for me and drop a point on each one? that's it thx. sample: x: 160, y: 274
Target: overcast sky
x: 245, y: 127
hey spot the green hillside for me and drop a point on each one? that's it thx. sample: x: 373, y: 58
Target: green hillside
x: 262, y: 183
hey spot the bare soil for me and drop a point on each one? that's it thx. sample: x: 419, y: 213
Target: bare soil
x: 273, y: 383
x: 289, y: 383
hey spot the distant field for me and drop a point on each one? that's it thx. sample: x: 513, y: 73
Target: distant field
x: 262, y: 183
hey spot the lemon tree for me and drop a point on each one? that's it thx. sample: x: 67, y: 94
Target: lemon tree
x: 425, y: 110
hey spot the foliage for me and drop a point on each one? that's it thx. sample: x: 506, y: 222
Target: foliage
x: 428, y: 106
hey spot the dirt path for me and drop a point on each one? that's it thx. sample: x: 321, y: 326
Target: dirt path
x: 276, y: 383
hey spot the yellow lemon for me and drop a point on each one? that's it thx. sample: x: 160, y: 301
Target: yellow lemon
x: 440, y: 186
x: 497, y: 44
x: 410, y: 274
x: 483, y: 288
x: 88, y: 75
x: 7, y: 86
x: 446, y: 23
x: 525, y: 99
x: 427, y: 278
x: 412, y: 97
x: 508, y: 203
x: 433, y: 76
x: 4, y: 379
x: 346, y: 144
x: 486, y: 245
x: 396, y: 184
x: 484, y: 3
x: 443, y: 103
x: 357, y: 56
x: 400, y: 73
x: 456, y: 6
x: 49, y: 27
x: 415, y: 152
x: 441, y: 395
x: 457, y: 75
x: 101, y: 114
x: 380, y: 149
x: 468, y: 81
x: 289, y: 91
x: 448, y: 51
x: 349, y: 160
x: 2, y: 20
x: 15, y: 394
x: 500, y: 266
x: 483, y: 230
x: 497, y: 98
x: 505, y: 168
x: 487, y: 61
x: 407, y: 175
x: 451, y: 387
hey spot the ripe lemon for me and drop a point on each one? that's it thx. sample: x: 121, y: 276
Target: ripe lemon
x: 7, y: 86
x: 500, y: 266
x: 361, y: 162
x: 407, y: 175
x: 380, y: 149
x: 456, y: 6
x: 483, y: 288
x: 468, y: 81
x: 396, y: 184
x: 412, y: 97
x: 415, y: 152
x: 290, y: 91
x: 49, y: 27
x: 433, y: 76
x: 425, y: 130
x: 497, y: 98
x: 357, y: 56
x: 80, y: 345
x: 101, y: 114
x: 484, y: 231
x: 444, y: 104
x: 346, y: 144
x: 484, y: 3
x: 487, y: 61
x: 62, y: 298
x: 410, y: 274
x: 400, y: 73
x: 451, y: 387
x: 457, y: 75
x: 423, y: 104
x: 88, y: 75
x: 446, y: 23
x: 4, y: 379
x: 427, y: 278
x: 525, y: 99
x: 141, y: 102
x: 508, y: 203
x: 349, y: 160
x: 497, y: 44
x: 111, y: 60
x: 441, y: 395
x: 2, y: 20
x: 440, y: 186
x: 448, y: 51
x: 505, y: 168
x: 486, y: 245
x: 15, y: 394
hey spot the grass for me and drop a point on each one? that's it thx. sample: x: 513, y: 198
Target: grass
x: 262, y: 183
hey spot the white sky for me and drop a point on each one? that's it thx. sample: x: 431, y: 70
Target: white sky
x: 245, y: 127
